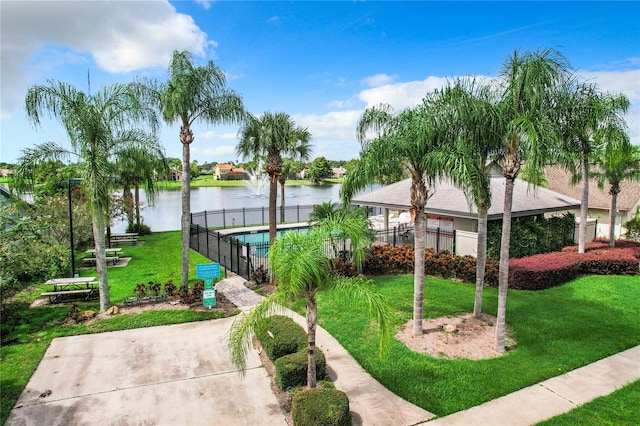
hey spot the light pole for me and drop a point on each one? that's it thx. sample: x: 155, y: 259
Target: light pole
x: 73, y: 257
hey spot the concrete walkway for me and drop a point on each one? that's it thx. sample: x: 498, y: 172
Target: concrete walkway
x: 372, y: 404
x: 182, y: 375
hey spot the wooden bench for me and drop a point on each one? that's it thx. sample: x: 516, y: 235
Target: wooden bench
x: 54, y: 296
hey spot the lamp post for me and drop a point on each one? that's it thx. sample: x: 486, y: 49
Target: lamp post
x: 73, y: 257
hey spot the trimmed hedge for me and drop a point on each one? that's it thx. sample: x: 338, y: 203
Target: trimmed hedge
x: 321, y: 406
x: 288, y: 336
x: 386, y: 259
x: 551, y: 269
x: 291, y: 370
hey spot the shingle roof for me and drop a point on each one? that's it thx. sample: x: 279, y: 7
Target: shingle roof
x: 559, y: 181
x: 448, y: 200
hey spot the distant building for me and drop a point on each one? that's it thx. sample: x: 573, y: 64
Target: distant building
x: 338, y: 172
x: 229, y: 172
x: 5, y: 172
x: 176, y: 174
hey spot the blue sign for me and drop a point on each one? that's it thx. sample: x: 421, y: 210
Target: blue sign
x: 207, y: 270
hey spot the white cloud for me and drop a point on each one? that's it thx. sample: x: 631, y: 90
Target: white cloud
x: 206, y: 4
x: 335, y: 125
x: 379, y: 80
x: 215, y: 152
x: 625, y: 82
x: 401, y: 95
x: 121, y: 36
x: 274, y: 20
x: 211, y: 135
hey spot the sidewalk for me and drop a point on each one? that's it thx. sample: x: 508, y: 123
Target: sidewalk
x: 372, y: 404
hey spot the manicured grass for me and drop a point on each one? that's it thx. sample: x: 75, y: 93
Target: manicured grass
x: 557, y: 330
x: 620, y: 408
x: 26, y: 333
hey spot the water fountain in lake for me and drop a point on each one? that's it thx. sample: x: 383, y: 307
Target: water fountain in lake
x: 257, y: 185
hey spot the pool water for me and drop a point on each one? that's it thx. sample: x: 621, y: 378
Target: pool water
x: 262, y: 237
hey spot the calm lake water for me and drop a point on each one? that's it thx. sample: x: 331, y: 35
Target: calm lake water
x: 165, y: 214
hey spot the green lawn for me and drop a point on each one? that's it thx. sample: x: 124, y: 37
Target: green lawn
x: 557, y: 330
x: 620, y: 408
x: 26, y: 333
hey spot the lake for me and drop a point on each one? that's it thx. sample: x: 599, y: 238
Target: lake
x: 165, y: 214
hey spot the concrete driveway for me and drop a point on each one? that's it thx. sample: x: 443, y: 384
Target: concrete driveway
x: 171, y: 375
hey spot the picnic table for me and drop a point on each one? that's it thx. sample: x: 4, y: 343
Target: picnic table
x: 126, y: 237
x: 111, y: 253
x: 78, y: 286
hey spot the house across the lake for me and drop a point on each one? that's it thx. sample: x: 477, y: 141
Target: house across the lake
x: 448, y: 209
x: 229, y: 172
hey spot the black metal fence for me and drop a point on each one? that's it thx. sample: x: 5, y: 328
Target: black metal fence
x: 249, y: 216
x: 245, y: 259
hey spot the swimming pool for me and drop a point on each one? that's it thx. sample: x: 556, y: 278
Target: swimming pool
x: 262, y: 236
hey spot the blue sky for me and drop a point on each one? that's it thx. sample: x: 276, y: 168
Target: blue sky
x: 320, y: 62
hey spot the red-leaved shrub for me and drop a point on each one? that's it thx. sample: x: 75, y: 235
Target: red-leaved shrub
x: 552, y: 269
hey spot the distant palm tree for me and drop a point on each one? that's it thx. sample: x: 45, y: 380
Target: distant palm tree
x: 408, y: 140
x: 530, y: 133
x: 300, y: 264
x: 273, y: 135
x: 99, y: 126
x: 587, y: 117
x: 192, y: 93
x: 136, y: 167
x: 616, y: 162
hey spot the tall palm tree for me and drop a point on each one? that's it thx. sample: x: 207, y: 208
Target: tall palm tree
x: 616, y: 162
x: 141, y: 167
x: 273, y: 135
x: 469, y: 107
x: 299, y: 262
x: 530, y: 84
x: 98, y: 126
x: 192, y: 93
x: 409, y: 140
x: 587, y: 116
x: 287, y: 168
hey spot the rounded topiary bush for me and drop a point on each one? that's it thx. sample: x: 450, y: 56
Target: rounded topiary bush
x: 280, y: 336
x: 328, y: 407
x: 291, y: 370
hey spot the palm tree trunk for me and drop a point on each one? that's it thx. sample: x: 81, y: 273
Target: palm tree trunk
x: 185, y: 195
x: 312, y: 317
x: 282, y: 182
x: 481, y: 260
x: 137, y: 200
x: 612, y: 216
x: 584, y: 207
x: 503, y: 280
x: 101, y: 257
x: 128, y: 203
x: 418, y: 275
x: 273, y: 199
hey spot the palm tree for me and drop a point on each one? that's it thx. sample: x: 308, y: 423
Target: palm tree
x: 192, y: 93
x: 587, y: 117
x: 468, y: 106
x: 98, y: 126
x: 273, y: 135
x: 136, y: 167
x: 530, y: 84
x: 616, y: 161
x: 409, y: 140
x: 302, y: 268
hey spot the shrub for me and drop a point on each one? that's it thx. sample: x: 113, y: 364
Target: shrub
x: 288, y: 337
x: 321, y: 407
x: 260, y: 275
x: 170, y: 288
x: 291, y: 370
x: 141, y: 229
x: 154, y: 287
x: 141, y: 289
x: 548, y: 270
